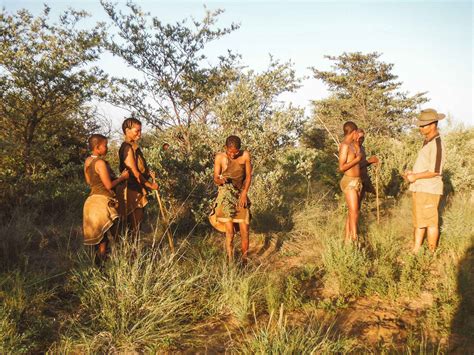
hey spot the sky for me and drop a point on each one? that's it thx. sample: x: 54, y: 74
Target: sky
x: 429, y: 42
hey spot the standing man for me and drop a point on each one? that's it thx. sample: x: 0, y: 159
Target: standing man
x: 364, y: 164
x: 351, y: 183
x: 233, y: 174
x: 426, y: 182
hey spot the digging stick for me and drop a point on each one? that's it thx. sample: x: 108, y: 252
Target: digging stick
x: 164, y: 216
x: 377, y: 192
x: 165, y: 221
x: 336, y: 141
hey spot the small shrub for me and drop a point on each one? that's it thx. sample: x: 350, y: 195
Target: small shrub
x: 346, y: 268
x: 415, y: 273
x: 278, y: 337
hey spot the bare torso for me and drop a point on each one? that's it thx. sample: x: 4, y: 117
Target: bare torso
x: 223, y: 161
x: 351, y: 155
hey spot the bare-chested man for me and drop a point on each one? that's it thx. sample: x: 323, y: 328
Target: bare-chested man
x: 364, y: 164
x: 233, y: 174
x: 351, y: 183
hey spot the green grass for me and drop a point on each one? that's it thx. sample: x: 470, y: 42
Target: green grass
x: 146, y: 300
x: 277, y: 336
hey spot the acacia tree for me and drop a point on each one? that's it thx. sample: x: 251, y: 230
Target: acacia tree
x: 364, y: 89
x: 46, y: 83
x: 251, y: 109
x: 178, y: 83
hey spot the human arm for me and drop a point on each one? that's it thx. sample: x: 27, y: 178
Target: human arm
x: 366, y: 162
x: 248, y: 179
x: 412, y: 177
x: 103, y: 172
x: 434, y: 168
x: 131, y: 165
x: 343, y: 153
x: 218, y: 178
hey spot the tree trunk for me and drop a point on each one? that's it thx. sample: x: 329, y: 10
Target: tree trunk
x: 29, y: 136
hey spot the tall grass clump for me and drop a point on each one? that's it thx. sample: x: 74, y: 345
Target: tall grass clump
x: 445, y: 300
x: 415, y: 273
x: 282, y: 288
x: 23, y: 323
x: 346, y: 268
x: 141, y: 300
x: 279, y: 337
x: 457, y: 228
x: 238, y: 291
x: 385, y: 244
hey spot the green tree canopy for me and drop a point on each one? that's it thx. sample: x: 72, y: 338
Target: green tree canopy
x: 46, y: 83
x: 364, y: 89
x: 251, y: 109
x: 178, y: 82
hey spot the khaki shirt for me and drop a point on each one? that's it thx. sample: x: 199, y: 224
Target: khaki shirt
x: 430, y: 158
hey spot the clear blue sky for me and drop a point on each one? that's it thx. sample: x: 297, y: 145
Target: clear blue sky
x: 430, y: 42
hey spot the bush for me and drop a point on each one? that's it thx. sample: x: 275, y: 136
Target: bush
x: 140, y: 300
x: 278, y: 337
x: 346, y: 268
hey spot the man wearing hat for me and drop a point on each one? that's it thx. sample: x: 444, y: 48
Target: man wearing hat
x: 425, y: 180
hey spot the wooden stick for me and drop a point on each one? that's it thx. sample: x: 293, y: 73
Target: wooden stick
x: 336, y: 141
x: 163, y: 215
x: 377, y: 192
x: 165, y: 221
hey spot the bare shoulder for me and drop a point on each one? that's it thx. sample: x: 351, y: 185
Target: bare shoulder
x: 220, y: 156
x: 100, y: 164
x: 246, y: 155
x: 219, y: 159
x: 343, y: 146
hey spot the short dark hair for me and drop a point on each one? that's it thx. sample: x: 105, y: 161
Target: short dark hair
x: 233, y: 141
x: 95, y: 139
x: 349, y: 127
x: 129, y: 122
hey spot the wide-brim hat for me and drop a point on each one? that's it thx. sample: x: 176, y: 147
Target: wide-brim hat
x: 428, y: 116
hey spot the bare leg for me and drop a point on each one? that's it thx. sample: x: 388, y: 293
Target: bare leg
x: 102, y: 249
x: 229, y: 239
x: 419, y: 235
x: 433, y: 237
x: 352, y: 199
x: 347, y: 236
x: 244, y: 236
x: 101, y: 252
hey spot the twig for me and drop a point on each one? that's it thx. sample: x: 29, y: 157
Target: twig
x: 335, y: 139
x: 165, y: 221
x: 164, y: 216
x: 377, y: 192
